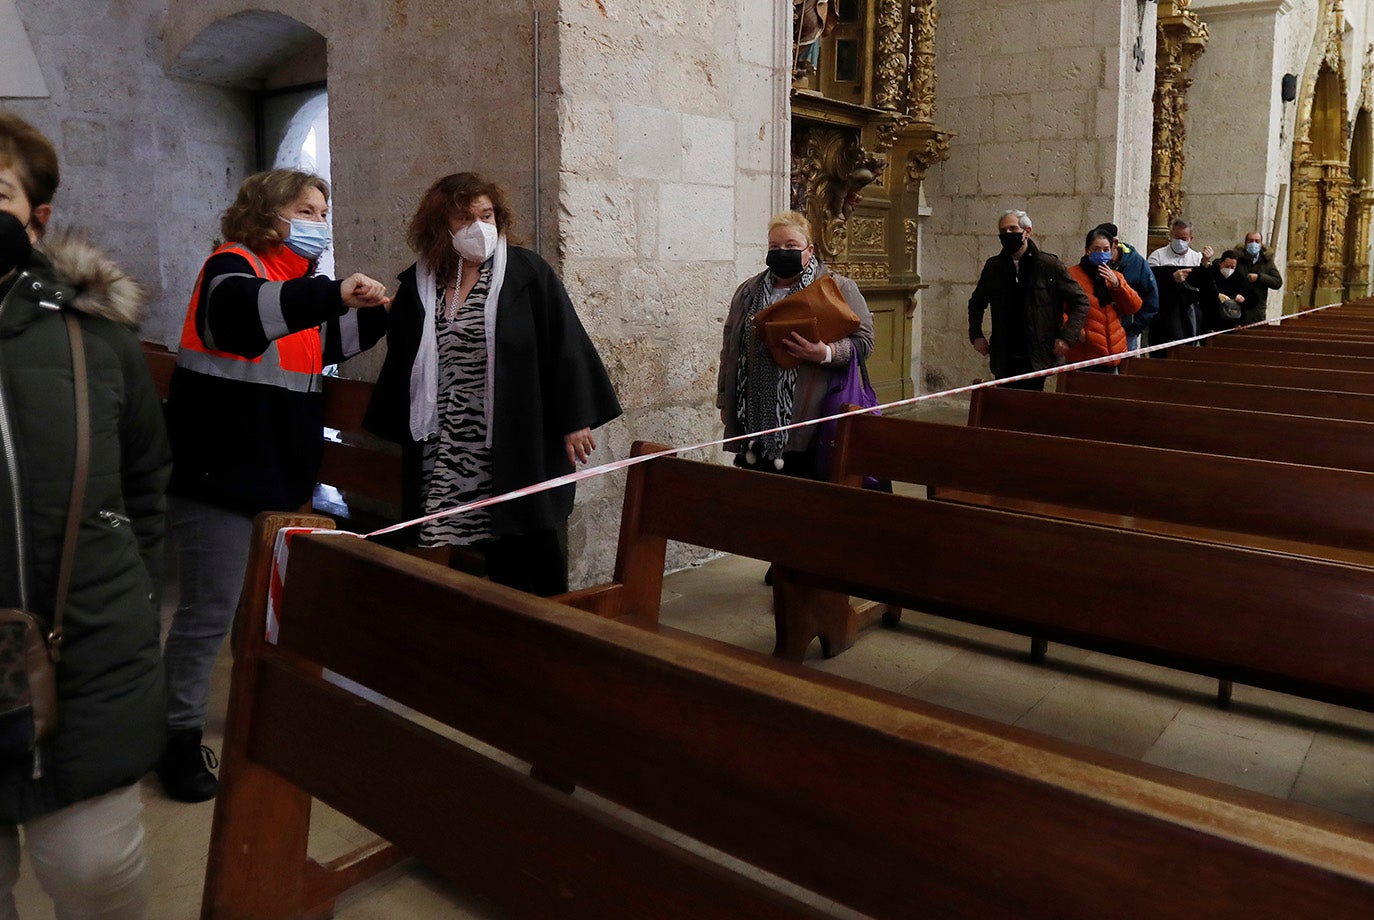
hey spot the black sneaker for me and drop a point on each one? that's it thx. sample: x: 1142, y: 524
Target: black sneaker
x: 185, y: 765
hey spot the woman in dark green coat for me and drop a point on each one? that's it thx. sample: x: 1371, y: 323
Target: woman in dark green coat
x: 77, y: 796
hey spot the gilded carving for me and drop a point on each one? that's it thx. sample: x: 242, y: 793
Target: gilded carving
x: 829, y: 168
x: 925, y: 14
x: 1326, y: 205
x: 1182, y: 39
x: 891, y: 69
x: 862, y: 271
x: 867, y: 233
x: 1362, y: 190
x: 932, y: 147
x: 911, y: 231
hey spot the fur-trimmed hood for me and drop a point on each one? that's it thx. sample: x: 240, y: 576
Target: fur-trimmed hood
x: 102, y: 287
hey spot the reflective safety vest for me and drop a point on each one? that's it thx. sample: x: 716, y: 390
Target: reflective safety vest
x: 293, y: 362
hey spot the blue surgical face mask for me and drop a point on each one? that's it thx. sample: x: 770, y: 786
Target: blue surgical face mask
x: 1100, y: 256
x: 307, y: 238
x: 1179, y: 246
x: 1252, y: 248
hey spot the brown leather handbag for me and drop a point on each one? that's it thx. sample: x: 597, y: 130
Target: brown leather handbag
x: 28, y: 657
x: 818, y: 312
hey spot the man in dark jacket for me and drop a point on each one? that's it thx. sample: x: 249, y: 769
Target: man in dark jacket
x: 1136, y: 271
x: 1038, y: 310
x: 1257, y: 265
x: 77, y: 793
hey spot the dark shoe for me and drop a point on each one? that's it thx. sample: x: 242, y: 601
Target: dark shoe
x: 185, y: 765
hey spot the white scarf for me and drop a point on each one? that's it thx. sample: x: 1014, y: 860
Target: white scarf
x: 424, y: 374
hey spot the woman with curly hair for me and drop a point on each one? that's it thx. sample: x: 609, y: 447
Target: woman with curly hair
x: 245, y: 413
x: 490, y: 384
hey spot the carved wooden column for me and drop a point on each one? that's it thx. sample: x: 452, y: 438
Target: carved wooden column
x: 1182, y: 39
x: 1362, y: 186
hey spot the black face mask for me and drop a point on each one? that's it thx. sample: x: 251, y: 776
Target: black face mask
x: 15, y: 247
x: 1011, y: 240
x: 785, y: 263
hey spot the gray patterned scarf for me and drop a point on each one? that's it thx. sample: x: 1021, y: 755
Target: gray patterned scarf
x: 764, y: 391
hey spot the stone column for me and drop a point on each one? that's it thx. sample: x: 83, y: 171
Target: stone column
x: 1182, y: 39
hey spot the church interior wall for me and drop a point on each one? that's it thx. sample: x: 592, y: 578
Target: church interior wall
x: 143, y: 155
x: 663, y: 131
x: 673, y: 120
x: 1037, y: 101
x: 1235, y: 120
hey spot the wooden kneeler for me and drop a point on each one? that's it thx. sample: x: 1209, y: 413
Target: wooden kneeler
x: 259, y: 814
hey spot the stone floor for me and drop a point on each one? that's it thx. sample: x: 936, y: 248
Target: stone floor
x: 1271, y: 743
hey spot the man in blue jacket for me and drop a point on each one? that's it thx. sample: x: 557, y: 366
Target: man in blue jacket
x: 1136, y: 270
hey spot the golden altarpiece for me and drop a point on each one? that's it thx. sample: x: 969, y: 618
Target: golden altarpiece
x: 863, y: 136
x: 1319, y: 221
x: 1357, y: 275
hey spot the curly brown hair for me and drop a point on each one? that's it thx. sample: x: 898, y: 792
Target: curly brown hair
x: 428, y: 233
x: 254, y: 217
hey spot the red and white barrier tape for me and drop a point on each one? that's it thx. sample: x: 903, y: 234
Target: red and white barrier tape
x: 613, y: 466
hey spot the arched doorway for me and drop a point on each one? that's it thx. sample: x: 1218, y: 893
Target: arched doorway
x: 279, y: 65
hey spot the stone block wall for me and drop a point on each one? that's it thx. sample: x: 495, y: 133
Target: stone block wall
x: 673, y: 158
x: 145, y: 158
x: 1048, y: 114
x: 1240, y: 143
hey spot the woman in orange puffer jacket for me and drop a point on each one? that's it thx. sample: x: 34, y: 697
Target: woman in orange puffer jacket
x: 1109, y: 299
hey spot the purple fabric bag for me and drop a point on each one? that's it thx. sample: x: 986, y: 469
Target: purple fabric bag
x: 848, y: 386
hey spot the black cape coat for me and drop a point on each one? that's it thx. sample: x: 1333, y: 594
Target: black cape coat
x: 549, y: 382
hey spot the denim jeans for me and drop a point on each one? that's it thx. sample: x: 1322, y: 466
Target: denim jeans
x: 89, y: 857
x: 212, y: 557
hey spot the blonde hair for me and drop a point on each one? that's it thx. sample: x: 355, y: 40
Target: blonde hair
x: 253, y: 219
x: 792, y: 219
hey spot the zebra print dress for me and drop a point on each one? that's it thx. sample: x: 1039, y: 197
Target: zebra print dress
x: 457, y: 462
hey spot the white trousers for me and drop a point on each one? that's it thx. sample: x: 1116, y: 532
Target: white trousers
x: 89, y: 857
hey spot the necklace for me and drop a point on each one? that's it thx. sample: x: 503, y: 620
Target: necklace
x: 451, y: 307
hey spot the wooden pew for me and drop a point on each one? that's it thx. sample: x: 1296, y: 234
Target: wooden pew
x: 1349, y: 329
x: 1356, y: 407
x: 1227, y: 432
x: 1262, y: 375
x: 1174, y: 602
x: 1292, y: 343
x: 871, y: 800
x: 1273, y: 357
x: 1315, y: 511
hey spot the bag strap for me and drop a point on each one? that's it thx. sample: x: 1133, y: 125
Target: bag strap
x: 78, y: 498
x: 863, y: 369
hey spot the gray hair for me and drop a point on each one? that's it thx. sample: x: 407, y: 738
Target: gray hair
x: 1181, y: 224
x: 1022, y: 218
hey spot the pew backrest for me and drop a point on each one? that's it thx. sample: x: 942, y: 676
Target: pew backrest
x: 871, y: 800
x: 1318, y: 511
x: 1263, y: 375
x: 1259, y: 341
x: 1357, y: 407
x: 1202, y: 429
x: 1273, y: 358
